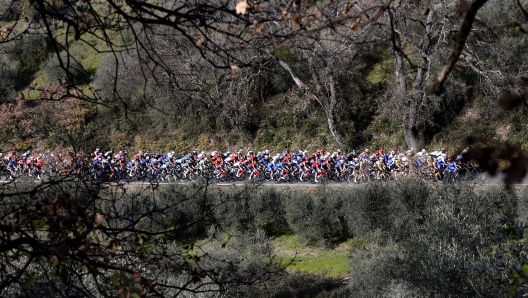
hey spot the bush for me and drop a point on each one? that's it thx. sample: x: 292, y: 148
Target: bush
x: 86, y: 240
x: 193, y: 213
x: 396, y: 209
x: 522, y: 207
x: 7, y: 83
x: 249, y: 209
x: 28, y: 52
x: 374, y: 269
x: 71, y: 69
x: 451, y: 242
x: 454, y: 252
x: 297, y: 285
x: 120, y: 77
x: 316, y: 217
x: 408, y: 201
x: 368, y: 209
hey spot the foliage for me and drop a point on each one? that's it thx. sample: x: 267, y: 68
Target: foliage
x: 367, y: 209
x: 373, y: 269
x: 316, y: 217
x: 176, y: 69
x: 298, y: 285
x: 251, y: 208
x: 68, y: 238
x: 451, y: 251
x: 404, y: 239
x: 65, y: 67
x: 48, y: 119
x: 7, y: 83
x: 117, y: 76
x: 29, y: 52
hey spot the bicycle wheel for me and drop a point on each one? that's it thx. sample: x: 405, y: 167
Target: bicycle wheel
x: 438, y: 176
x: 362, y: 178
x: 351, y: 178
x: 384, y: 177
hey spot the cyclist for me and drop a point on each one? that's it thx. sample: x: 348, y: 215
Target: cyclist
x: 340, y: 167
x: 119, y: 156
x: 459, y: 157
x: 271, y: 168
x: 108, y: 153
x: 420, y: 158
x: 317, y: 168
x: 279, y: 167
x: 441, y: 162
x: 251, y: 164
x: 391, y: 161
x: 200, y: 156
x: 380, y: 167
x: 38, y: 166
x: 11, y: 165
x: 304, y: 168
x: 202, y: 164
x: 95, y: 153
x: 452, y: 166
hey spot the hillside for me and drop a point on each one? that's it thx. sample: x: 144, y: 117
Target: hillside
x: 276, y: 121
x: 120, y: 89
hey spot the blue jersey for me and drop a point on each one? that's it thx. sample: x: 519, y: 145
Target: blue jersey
x: 390, y: 162
x: 440, y: 163
x: 451, y: 167
x: 339, y: 164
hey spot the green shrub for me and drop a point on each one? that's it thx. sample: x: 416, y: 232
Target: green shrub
x: 452, y: 241
x: 250, y: 208
x: 71, y: 69
x: 301, y: 217
x: 297, y: 285
x: 316, y: 217
x: 454, y: 252
x: 28, y: 53
x: 192, y: 214
x: 522, y: 206
x: 368, y: 209
x: 374, y: 268
x: 7, y: 83
x: 408, y: 201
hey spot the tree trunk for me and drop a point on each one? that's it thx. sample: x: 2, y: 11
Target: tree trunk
x: 400, y: 93
x: 334, y: 129
x: 411, y: 137
x: 328, y: 103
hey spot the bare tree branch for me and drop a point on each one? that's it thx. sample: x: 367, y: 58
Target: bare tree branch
x: 436, y: 86
x: 525, y: 13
